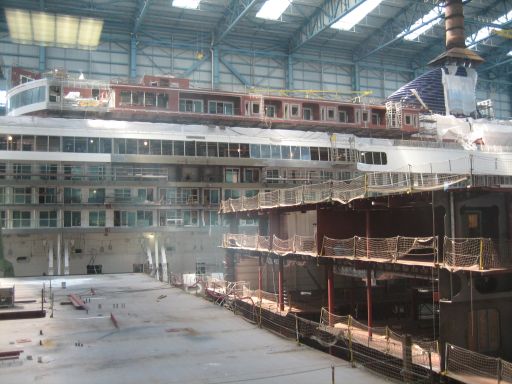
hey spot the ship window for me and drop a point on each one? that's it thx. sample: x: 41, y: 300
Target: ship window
x: 294, y: 152
x: 190, y: 218
x: 22, y: 171
x: 179, y: 148
x: 223, y: 150
x: 247, y: 108
x: 144, y: 218
x: 295, y: 110
x: 378, y: 158
x: 93, y: 144
x: 276, y: 151
x: 48, y: 171
x: 265, y: 151
x: 270, y: 111
x: 330, y: 113
x: 305, y: 153
x: 48, y: 219
x: 126, y: 98
x: 96, y: 218
x: 255, y: 151
x: 285, y: 152
x: 72, y: 218
x: 272, y: 176
x: 408, y: 119
x: 190, y: 148
x: 155, y: 147
x: 255, y: 108
x: 234, y: 150
x: 72, y: 195
x: 324, y: 154
x: 220, y: 107
x: 150, y: 99
x: 307, y: 114
x: 41, y: 144
x: 143, y: 145
x: 201, y: 148
x: 375, y: 118
x: 342, y: 115
x: 167, y: 147
x: 251, y: 175
x: 212, y: 150
x: 137, y: 98
x: 53, y: 143
x: 195, y: 106
x: 365, y: 116
x: 25, y: 79
x: 119, y: 146
x: 244, y: 151
x: 122, y: 195
x: 21, y: 219
x: 314, y: 153
x: 80, y: 144
x: 124, y: 219
x: 68, y: 144
x: 131, y: 146
x: 22, y: 195
x: 162, y: 100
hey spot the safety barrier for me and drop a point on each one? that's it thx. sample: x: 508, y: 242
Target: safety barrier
x: 344, y: 191
x: 474, y: 253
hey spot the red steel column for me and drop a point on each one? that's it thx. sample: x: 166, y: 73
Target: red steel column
x: 280, y: 299
x: 330, y: 290
x: 369, y: 300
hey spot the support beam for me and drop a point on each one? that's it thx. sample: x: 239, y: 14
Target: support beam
x: 133, y: 57
x: 237, y: 74
x: 59, y: 253
x: 50, y: 258
x: 66, y: 257
x: 195, y: 66
x: 139, y: 16
x: 330, y: 291
x: 42, y: 59
x: 157, y: 267
x: 327, y: 14
x: 165, y: 274
x: 289, y: 73
x: 235, y: 12
x: 260, y: 277
x: 280, y: 295
x: 369, y: 301
x: 215, y: 70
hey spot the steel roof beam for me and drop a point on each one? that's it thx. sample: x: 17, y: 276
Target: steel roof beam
x: 236, y: 11
x: 329, y: 13
x: 141, y: 12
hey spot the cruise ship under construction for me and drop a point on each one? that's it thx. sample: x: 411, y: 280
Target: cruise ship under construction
x: 378, y: 233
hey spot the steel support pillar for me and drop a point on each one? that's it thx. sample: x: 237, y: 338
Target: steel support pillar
x: 330, y: 291
x: 42, y: 59
x: 150, y: 260
x: 157, y: 268
x: 280, y: 286
x: 133, y: 57
x: 260, y: 278
x: 369, y: 300
x: 165, y: 274
x: 59, y: 253
x: 215, y: 68
x: 66, y: 257
x: 356, y: 85
x: 289, y: 73
x: 50, y: 258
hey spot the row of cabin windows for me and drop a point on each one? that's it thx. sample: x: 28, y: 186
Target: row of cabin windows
x: 166, y: 148
x: 49, y: 195
x: 377, y: 158
x: 161, y: 100
x: 48, y: 219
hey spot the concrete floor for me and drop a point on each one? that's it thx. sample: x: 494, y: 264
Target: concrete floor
x: 165, y: 336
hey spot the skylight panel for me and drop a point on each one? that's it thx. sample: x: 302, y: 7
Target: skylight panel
x: 357, y: 14
x: 273, y: 9
x: 485, y: 32
x: 423, y: 24
x: 187, y: 4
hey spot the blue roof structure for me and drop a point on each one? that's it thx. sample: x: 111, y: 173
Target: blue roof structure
x: 430, y: 88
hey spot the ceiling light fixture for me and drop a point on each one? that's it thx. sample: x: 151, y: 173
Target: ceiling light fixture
x: 187, y: 4
x: 356, y: 14
x: 273, y: 9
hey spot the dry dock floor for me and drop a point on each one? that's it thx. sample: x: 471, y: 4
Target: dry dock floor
x: 165, y: 336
